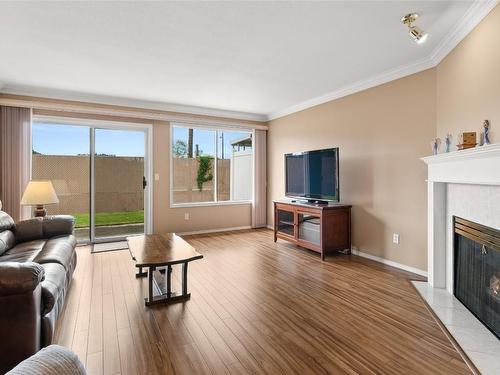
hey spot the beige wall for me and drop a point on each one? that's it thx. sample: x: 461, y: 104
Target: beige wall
x: 381, y: 133
x: 468, y: 82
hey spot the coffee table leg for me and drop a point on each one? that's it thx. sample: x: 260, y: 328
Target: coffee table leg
x: 169, y: 281
x: 150, y: 284
x: 184, y: 278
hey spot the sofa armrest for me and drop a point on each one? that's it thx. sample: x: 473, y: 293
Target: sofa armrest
x: 20, y: 312
x: 58, y: 225
x: 19, y: 278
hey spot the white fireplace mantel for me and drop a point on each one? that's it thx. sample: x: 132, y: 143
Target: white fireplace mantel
x: 467, y: 184
x: 477, y: 166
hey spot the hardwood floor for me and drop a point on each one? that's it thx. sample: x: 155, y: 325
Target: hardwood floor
x: 256, y: 307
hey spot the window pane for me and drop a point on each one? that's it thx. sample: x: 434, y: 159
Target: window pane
x: 193, y: 153
x: 235, y: 166
x: 61, y: 155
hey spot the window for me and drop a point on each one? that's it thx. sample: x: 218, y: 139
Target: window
x: 211, y: 165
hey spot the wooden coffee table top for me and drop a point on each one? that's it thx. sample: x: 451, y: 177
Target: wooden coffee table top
x: 161, y: 250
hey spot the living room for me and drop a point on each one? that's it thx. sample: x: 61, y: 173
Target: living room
x: 250, y: 187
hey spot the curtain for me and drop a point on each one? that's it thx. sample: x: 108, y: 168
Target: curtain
x: 15, y: 153
x: 259, y: 211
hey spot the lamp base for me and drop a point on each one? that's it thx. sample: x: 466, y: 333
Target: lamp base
x: 40, y: 211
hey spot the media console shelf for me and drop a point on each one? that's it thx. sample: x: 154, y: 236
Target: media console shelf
x: 322, y: 228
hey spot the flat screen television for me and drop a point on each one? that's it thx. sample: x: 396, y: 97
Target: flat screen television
x: 313, y: 175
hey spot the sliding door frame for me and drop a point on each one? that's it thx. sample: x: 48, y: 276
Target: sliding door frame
x: 92, y: 124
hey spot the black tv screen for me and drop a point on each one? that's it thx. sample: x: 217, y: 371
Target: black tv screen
x: 313, y: 175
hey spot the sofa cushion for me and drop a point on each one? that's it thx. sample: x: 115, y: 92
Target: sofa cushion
x: 57, y: 250
x: 27, y: 230
x: 7, y: 241
x: 53, y: 285
x: 6, y: 222
x: 23, y: 252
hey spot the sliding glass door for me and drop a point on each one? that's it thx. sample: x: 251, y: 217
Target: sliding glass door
x: 99, y: 172
x: 119, y: 183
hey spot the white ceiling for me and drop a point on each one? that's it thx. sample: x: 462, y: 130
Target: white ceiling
x: 265, y: 58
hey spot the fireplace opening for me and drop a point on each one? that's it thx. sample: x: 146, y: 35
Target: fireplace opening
x: 477, y: 270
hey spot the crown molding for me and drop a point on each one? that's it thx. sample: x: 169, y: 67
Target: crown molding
x: 362, y: 85
x: 474, y: 15
x: 128, y: 102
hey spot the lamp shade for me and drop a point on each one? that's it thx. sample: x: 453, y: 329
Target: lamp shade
x: 38, y: 193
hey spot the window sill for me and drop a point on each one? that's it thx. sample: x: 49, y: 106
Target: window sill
x: 209, y: 204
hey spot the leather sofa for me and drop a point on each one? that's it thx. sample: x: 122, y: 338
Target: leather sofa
x: 37, y: 260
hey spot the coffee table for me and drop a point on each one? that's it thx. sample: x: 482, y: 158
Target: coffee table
x: 158, y: 253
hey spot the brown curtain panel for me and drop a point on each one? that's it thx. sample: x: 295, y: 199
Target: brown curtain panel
x: 15, y: 133
x: 259, y: 206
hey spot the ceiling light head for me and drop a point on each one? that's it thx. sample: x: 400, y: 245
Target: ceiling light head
x: 418, y: 35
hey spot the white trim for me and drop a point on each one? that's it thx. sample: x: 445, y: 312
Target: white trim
x: 129, y: 102
x: 209, y: 204
x: 390, y: 263
x: 217, y: 230
x: 353, y: 88
x: 474, y: 15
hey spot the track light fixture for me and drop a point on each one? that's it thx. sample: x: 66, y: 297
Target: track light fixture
x: 418, y: 35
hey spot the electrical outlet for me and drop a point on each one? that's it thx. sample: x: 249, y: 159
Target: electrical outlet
x: 157, y: 177
x: 395, y: 238
x: 187, y: 216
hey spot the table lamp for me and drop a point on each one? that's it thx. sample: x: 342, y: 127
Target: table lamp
x: 39, y: 193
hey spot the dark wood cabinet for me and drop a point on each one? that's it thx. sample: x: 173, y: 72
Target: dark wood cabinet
x: 319, y: 227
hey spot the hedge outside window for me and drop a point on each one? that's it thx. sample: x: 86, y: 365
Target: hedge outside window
x: 211, y: 165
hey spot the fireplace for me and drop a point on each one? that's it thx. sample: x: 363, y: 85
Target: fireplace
x: 477, y: 270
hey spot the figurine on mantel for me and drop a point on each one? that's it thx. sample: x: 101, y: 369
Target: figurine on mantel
x: 447, y: 142
x: 435, y: 143
x: 486, y: 126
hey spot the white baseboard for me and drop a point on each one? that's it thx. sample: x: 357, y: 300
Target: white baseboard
x: 270, y: 227
x: 216, y: 230
x: 390, y: 263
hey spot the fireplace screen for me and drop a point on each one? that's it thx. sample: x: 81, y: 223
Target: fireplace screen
x: 477, y: 271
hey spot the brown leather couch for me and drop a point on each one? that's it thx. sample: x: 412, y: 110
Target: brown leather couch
x: 37, y: 260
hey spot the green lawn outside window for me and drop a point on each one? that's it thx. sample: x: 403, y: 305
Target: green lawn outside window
x: 110, y: 218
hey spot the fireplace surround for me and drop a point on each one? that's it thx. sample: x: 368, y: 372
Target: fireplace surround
x: 464, y: 184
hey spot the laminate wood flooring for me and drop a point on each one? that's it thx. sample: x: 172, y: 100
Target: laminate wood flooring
x: 256, y: 307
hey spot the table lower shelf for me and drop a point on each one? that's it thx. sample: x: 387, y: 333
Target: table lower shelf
x: 160, y: 285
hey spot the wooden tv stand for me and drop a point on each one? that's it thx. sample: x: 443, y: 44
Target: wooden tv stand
x: 322, y: 228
